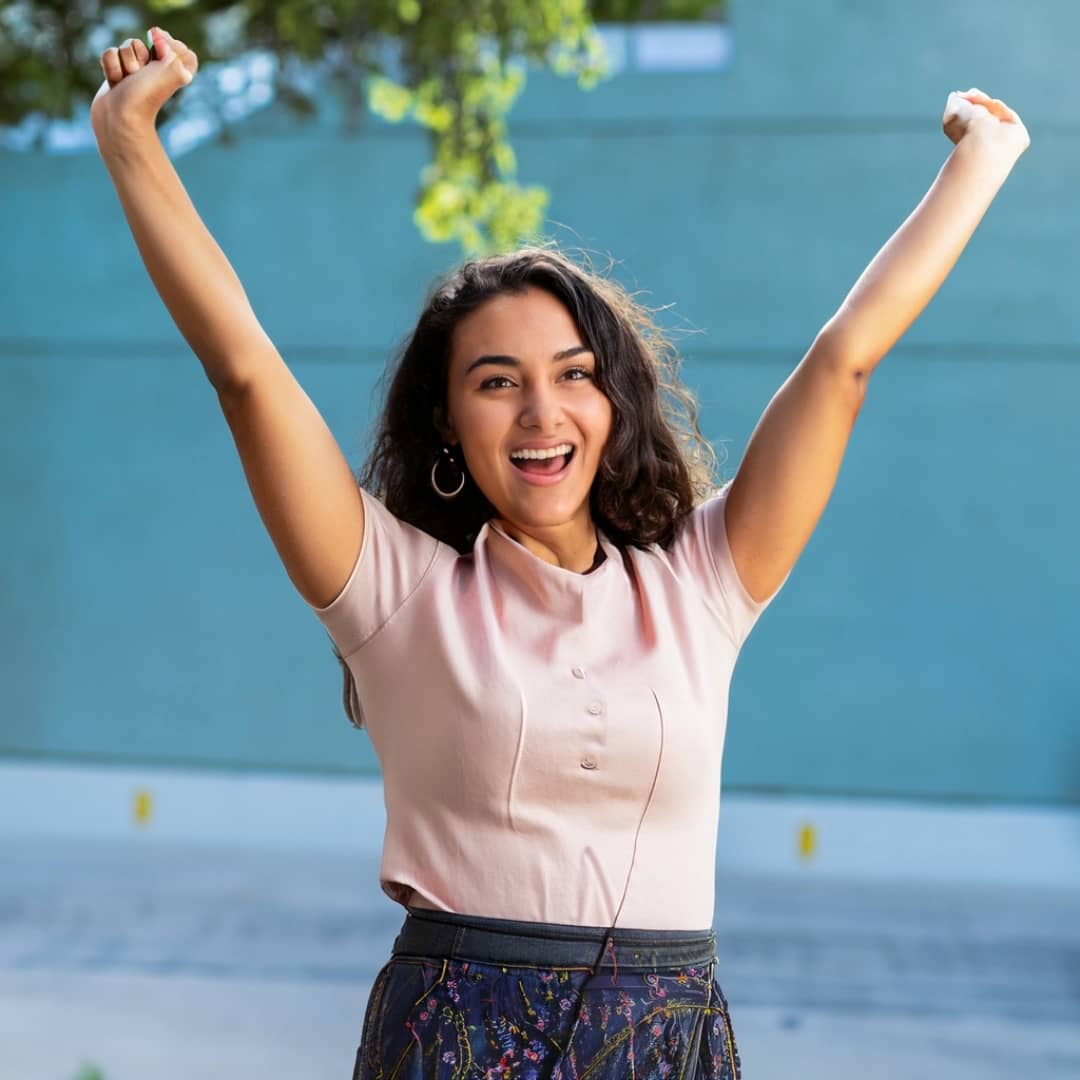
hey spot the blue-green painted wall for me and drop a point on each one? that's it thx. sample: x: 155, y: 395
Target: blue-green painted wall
x: 927, y: 643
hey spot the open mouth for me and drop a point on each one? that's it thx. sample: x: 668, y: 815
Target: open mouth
x: 543, y: 466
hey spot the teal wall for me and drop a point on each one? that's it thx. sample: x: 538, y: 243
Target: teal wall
x: 925, y: 646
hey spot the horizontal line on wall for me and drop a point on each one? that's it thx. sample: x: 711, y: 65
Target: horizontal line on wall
x: 681, y: 127
x: 895, y: 794
x: 989, y: 352
x: 771, y: 126
x: 194, y: 766
x: 182, y: 764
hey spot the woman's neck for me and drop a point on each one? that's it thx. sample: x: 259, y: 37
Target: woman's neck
x: 581, y: 554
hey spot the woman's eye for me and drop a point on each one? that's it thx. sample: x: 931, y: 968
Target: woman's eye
x: 489, y: 384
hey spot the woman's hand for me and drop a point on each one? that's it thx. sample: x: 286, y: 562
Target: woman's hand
x: 136, y: 87
x: 977, y: 116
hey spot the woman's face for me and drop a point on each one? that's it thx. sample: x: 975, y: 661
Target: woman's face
x: 536, y: 388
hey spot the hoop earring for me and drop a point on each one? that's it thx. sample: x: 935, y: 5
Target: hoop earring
x: 461, y: 483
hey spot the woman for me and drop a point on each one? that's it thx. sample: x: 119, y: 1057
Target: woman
x: 570, y: 592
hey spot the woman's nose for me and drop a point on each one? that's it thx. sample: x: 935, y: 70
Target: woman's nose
x: 540, y: 409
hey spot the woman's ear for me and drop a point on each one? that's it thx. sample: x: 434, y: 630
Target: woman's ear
x: 442, y: 425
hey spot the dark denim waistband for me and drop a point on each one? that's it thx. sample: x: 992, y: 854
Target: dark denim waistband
x: 445, y: 935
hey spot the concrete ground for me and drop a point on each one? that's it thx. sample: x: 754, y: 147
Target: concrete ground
x: 155, y: 962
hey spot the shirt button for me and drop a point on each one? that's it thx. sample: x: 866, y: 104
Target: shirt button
x: 578, y: 673
x: 595, y: 708
x: 588, y: 763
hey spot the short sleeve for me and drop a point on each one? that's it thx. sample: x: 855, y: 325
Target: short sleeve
x: 394, y: 558
x: 701, y: 549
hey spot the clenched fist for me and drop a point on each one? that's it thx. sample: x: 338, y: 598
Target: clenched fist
x: 976, y: 115
x: 136, y: 85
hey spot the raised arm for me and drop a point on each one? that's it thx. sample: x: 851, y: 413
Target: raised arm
x: 303, y: 487
x: 794, y: 454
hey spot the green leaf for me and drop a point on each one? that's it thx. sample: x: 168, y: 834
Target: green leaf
x: 388, y: 99
x: 408, y: 11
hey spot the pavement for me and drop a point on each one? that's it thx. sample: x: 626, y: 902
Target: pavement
x: 140, y: 960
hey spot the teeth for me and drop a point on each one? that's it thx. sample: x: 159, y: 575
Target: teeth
x: 555, y: 451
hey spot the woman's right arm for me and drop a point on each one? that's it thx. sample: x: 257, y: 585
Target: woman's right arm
x: 302, y: 485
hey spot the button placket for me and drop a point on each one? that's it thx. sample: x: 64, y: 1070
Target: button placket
x: 593, y: 708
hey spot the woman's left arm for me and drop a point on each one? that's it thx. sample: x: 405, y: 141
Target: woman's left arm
x: 794, y: 454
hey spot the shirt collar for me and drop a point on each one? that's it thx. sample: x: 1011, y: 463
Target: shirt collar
x: 558, y: 591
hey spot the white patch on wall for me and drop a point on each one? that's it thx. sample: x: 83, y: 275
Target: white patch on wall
x: 667, y: 46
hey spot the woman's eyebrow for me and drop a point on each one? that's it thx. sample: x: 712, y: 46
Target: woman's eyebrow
x: 502, y: 360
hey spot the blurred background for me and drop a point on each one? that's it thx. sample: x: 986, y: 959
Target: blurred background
x: 189, y: 828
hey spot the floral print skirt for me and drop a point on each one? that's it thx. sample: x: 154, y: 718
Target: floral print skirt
x: 470, y: 998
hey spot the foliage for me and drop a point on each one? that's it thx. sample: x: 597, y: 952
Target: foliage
x: 453, y: 66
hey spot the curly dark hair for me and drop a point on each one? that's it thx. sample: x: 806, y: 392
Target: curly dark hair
x: 656, y: 466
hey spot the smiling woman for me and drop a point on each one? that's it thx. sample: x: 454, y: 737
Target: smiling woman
x: 542, y: 659
x: 548, y: 404
x: 541, y: 527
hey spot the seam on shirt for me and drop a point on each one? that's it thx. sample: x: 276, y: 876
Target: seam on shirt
x: 407, y: 598
x: 522, y: 725
x: 745, y: 596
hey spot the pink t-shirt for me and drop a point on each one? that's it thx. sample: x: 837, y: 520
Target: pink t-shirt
x: 518, y: 709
